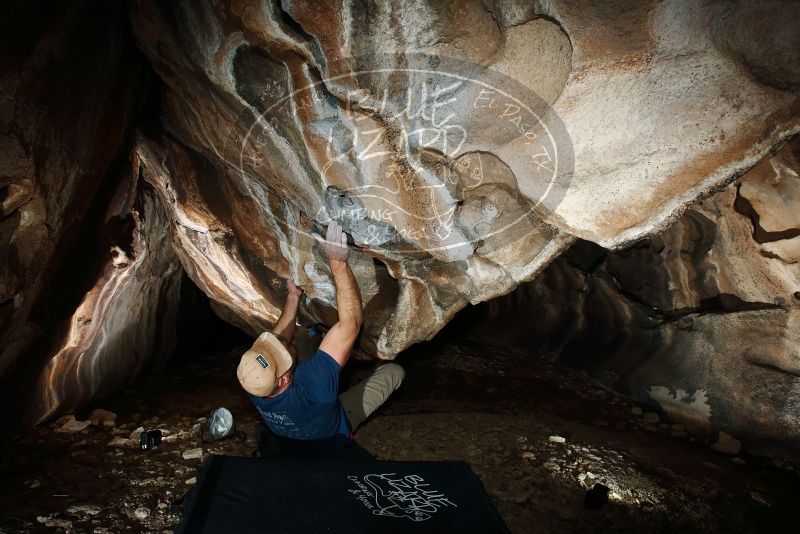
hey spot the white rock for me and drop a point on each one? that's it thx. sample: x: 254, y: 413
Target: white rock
x: 85, y: 509
x: 52, y: 522
x: 193, y: 454
x: 192, y: 480
x: 141, y: 512
x: 556, y: 439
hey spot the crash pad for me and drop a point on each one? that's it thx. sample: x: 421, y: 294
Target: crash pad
x: 336, y: 494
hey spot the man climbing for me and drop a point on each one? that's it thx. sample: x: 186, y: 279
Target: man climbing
x: 302, y: 401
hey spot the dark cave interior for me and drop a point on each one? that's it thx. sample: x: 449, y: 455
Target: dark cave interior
x: 137, y: 263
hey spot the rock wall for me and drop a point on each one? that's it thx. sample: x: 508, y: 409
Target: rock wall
x: 463, y: 145
x: 87, y: 289
x: 125, y: 323
x: 70, y: 85
x: 702, y: 320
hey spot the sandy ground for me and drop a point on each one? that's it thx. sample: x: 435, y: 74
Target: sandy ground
x: 537, y: 434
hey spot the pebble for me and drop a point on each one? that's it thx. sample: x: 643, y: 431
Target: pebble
x: 85, y: 509
x: 552, y: 466
x: 527, y: 455
x: 727, y: 444
x: 739, y: 461
x: 141, y: 512
x: 637, y: 410
x: 193, y: 454
x: 73, y: 426
x: 61, y: 421
x: 587, y: 479
x: 51, y: 522
x: 192, y: 480
x: 103, y: 417
x: 651, y: 418
x: 162, y: 505
x: 119, y: 441
x: 556, y: 439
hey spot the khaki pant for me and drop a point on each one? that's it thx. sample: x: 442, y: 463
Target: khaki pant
x: 365, y: 397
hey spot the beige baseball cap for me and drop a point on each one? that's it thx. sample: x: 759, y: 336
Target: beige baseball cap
x: 262, y: 365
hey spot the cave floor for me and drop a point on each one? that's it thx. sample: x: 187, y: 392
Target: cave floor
x: 504, y: 413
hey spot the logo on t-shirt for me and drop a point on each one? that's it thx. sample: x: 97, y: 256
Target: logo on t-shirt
x: 263, y: 361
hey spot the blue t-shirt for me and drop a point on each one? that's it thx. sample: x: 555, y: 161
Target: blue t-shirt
x: 309, y: 408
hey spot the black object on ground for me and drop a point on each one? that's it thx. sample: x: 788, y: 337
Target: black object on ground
x: 597, y: 497
x: 150, y: 439
x: 350, y: 493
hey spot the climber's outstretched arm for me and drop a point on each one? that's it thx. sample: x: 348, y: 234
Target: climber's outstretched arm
x: 339, y: 340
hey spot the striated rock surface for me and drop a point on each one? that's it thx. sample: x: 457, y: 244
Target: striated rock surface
x: 701, y: 320
x: 70, y: 85
x: 61, y: 125
x: 88, y: 279
x: 463, y: 144
x: 125, y: 323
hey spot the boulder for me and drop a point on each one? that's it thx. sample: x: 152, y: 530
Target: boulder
x: 463, y: 149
